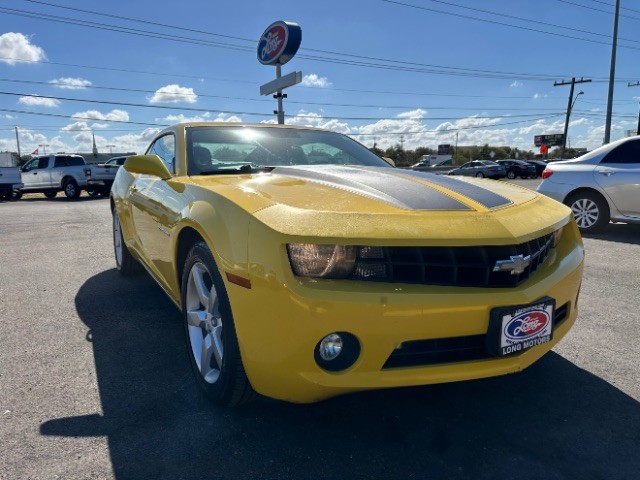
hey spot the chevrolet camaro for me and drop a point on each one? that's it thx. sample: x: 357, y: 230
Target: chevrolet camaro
x: 307, y: 267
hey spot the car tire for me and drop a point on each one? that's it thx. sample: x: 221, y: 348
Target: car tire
x: 211, y: 338
x: 104, y: 193
x: 524, y: 177
x: 511, y: 174
x: 17, y: 195
x: 125, y: 263
x: 71, y: 189
x: 92, y: 192
x: 50, y: 194
x: 480, y: 175
x: 590, y: 211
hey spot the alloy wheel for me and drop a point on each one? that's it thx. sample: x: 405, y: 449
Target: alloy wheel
x: 204, y: 322
x: 586, y: 212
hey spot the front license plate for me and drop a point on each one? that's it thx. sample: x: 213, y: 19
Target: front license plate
x: 517, y: 328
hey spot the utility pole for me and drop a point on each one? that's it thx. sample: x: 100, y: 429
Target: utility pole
x: 18, y: 142
x: 612, y: 75
x: 636, y: 85
x: 569, y: 106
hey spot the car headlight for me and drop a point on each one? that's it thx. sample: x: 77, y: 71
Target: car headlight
x: 322, y: 261
x: 557, y: 236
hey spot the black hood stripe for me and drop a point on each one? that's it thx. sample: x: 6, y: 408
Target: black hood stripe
x: 478, y: 194
x: 380, y: 183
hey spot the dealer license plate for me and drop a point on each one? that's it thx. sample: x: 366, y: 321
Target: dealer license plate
x: 518, y: 328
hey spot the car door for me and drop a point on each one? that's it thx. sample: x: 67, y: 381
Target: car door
x: 155, y: 210
x: 35, y: 173
x: 618, y: 174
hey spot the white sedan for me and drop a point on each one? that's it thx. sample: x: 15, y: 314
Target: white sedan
x: 600, y: 186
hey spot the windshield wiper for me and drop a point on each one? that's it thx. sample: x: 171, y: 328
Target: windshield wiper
x: 244, y: 168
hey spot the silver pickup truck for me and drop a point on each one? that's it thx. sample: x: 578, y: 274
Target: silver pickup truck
x: 50, y: 174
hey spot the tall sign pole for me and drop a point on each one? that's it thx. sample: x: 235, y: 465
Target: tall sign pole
x: 277, y: 45
x: 612, y: 75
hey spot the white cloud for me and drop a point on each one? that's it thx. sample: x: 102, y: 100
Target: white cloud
x: 38, y: 101
x: 515, y: 84
x: 180, y: 118
x: 313, y: 80
x: 417, y: 114
x: 537, y: 96
x: 313, y: 119
x: 174, y: 94
x: 16, y: 48
x: 76, y: 127
x: 69, y: 83
x: 83, y: 126
x: 113, y: 116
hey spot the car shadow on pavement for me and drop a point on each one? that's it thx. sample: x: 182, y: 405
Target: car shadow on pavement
x: 618, y: 232
x: 552, y: 421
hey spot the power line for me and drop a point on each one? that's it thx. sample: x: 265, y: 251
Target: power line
x: 157, y: 125
x: 602, y: 11
x: 226, y: 97
x: 222, y: 111
x: 496, y: 22
x: 363, y: 61
x: 529, y: 20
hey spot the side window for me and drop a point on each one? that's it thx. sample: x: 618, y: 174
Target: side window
x: 43, y: 162
x: 165, y: 148
x: 30, y: 165
x: 628, y: 152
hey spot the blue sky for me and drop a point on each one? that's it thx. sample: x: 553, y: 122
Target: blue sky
x: 415, y: 71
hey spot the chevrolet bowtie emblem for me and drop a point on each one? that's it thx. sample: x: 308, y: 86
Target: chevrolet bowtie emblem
x: 516, y: 264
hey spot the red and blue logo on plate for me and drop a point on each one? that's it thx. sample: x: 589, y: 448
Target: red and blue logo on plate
x: 526, y: 325
x: 279, y: 43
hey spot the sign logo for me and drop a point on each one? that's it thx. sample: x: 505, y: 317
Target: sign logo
x: 279, y: 43
x: 526, y: 325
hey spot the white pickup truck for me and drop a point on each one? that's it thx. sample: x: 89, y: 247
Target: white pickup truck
x: 50, y: 174
x: 10, y: 182
x: 102, y: 175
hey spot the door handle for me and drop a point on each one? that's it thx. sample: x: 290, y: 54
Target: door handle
x: 608, y: 173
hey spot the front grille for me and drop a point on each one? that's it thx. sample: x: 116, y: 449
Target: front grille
x: 450, y: 266
x: 420, y: 353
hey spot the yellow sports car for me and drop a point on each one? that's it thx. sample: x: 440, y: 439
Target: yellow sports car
x: 307, y: 267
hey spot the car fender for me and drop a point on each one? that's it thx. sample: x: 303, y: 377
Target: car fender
x: 224, y: 227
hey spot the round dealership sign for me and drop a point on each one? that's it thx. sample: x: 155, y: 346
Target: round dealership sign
x: 279, y: 43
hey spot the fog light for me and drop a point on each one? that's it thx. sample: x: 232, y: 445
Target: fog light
x: 337, y: 351
x: 330, y: 347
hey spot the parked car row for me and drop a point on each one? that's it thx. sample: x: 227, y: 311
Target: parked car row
x: 50, y: 174
x: 509, y: 168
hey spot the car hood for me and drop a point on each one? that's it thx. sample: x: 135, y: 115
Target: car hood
x: 367, y: 202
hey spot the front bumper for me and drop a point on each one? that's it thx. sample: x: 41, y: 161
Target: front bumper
x: 281, y: 319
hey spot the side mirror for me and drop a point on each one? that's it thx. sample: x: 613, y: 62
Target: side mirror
x: 147, y: 165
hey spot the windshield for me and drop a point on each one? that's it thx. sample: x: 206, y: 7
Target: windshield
x: 216, y: 149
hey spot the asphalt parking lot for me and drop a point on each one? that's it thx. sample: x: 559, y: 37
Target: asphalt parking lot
x: 95, y: 382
